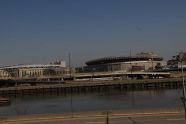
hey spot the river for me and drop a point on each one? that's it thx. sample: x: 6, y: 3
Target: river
x: 166, y: 98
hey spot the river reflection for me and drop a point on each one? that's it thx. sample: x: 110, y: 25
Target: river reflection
x: 92, y: 102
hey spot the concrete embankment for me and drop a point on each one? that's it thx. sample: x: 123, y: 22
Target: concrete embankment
x: 90, y: 86
x: 111, y: 113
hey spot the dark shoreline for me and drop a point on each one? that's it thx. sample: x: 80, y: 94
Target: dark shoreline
x: 57, y: 87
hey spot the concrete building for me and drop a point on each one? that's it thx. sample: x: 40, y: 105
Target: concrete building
x: 4, y: 74
x: 141, y: 62
x: 34, y: 70
x: 175, y: 62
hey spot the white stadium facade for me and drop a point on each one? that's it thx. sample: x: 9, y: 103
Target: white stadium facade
x: 33, y: 70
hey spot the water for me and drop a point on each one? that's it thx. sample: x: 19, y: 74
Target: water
x: 93, y: 102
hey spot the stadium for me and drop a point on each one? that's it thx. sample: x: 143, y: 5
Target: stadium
x: 140, y: 62
x: 33, y: 70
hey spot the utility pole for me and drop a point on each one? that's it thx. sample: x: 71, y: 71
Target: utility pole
x: 107, y: 116
x: 131, y: 65
x: 71, y: 104
x: 152, y: 62
x: 71, y: 90
x: 69, y: 57
x: 181, y: 59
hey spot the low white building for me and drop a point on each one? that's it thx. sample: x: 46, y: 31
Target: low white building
x: 33, y: 70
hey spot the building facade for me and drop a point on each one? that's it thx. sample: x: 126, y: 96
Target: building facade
x: 33, y: 71
x: 140, y: 62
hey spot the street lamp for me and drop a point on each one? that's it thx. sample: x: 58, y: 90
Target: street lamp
x: 181, y: 58
x: 152, y: 59
x: 131, y: 65
x: 107, y: 116
x: 93, y: 70
x: 71, y: 104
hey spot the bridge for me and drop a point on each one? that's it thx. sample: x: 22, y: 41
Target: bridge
x: 120, y: 74
x: 94, y: 75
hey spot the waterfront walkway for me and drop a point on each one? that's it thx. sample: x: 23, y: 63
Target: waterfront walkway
x: 139, y: 116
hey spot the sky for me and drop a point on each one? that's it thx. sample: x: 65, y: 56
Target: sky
x: 41, y: 31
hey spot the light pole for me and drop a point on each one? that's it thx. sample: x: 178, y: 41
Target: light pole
x: 93, y: 70
x: 183, y: 84
x: 71, y: 104
x: 69, y: 57
x: 152, y: 60
x: 131, y: 65
x: 107, y: 116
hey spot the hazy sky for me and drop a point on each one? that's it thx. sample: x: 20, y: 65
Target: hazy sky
x: 40, y: 31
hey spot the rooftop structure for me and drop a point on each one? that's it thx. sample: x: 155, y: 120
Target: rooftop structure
x: 138, y: 57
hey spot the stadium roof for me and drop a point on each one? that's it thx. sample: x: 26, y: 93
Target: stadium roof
x: 107, y: 60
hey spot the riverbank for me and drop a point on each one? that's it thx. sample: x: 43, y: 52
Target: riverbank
x: 93, y: 114
x: 90, y: 86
